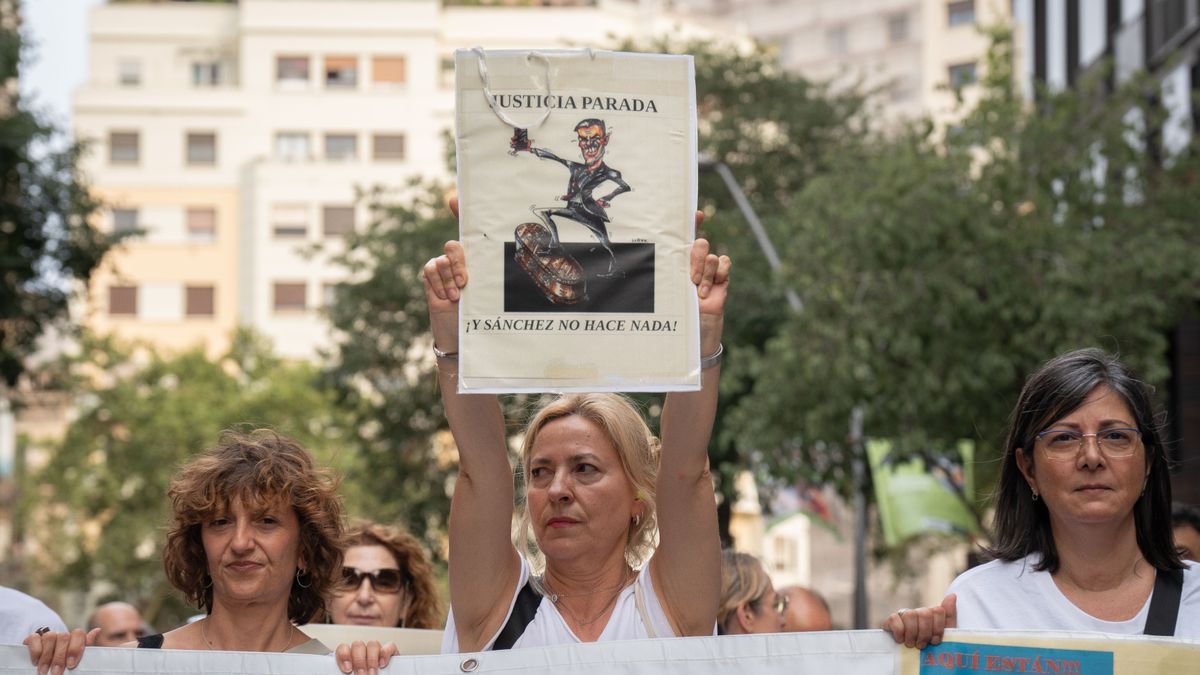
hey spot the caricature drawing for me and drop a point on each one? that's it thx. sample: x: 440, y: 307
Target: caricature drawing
x: 586, y: 178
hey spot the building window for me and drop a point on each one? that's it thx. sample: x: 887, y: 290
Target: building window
x: 290, y: 296
x: 129, y: 72
x: 291, y: 71
x: 206, y: 74
x: 201, y: 224
x: 897, y: 26
x: 201, y: 148
x: 123, y: 147
x: 289, y: 221
x: 387, y: 147
x: 962, y: 74
x: 341, y: 72
x: 961, y: 13
x: 337, y: 221
x: 125, y: 220
x: 198, y: 301
x: 292, y: 146
x: 387, y: 70
x: 446, y: 71
x: 836, y: 40
x: 341, y: 147
x: 329, y: 293
x: 122, y: 300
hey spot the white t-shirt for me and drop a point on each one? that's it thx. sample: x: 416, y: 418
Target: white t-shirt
x: 21, y: 615
x: 1014, y: 596
x: 549, y: 628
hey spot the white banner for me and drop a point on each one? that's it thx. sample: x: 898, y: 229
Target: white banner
x: 869, y: 652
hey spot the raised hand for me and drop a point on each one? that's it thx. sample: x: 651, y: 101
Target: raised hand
x: 444, y: 278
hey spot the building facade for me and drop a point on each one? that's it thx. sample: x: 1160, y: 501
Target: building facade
x: 912, y: 54
x: 236, y: 138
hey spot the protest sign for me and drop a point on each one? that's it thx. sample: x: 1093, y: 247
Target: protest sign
x: 577, y: 195
x: 867, y: 652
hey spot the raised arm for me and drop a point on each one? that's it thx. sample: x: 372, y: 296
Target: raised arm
x: 484, y: 567
x: 686, y: 568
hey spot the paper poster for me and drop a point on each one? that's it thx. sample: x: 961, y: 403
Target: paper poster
x: 923, y: 493
x: 577, y: 194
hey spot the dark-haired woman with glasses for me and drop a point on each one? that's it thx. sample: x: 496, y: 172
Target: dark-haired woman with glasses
x: 386, y: 580
x: 1083, y: 537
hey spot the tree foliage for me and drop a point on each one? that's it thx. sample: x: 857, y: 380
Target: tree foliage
x: 382, y: 367
x: 97, y: 509
x: 48, y: 246
x: 939, y: 271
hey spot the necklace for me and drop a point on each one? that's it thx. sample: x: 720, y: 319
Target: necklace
x: 204, y: 634
x: 557, y: 598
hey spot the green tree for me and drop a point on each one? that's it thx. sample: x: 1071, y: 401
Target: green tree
x: 939, y: 271
x: 97, y: 510
x: 48, y: 246
x: 382, y: 367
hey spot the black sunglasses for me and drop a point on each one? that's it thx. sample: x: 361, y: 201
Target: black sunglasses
x: 387, y: 580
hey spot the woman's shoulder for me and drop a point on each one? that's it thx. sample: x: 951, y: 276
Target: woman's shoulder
x: 993, y: 572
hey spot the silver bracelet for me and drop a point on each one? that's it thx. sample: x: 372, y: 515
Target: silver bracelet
x: 444, y: 355
x: 713, y: 359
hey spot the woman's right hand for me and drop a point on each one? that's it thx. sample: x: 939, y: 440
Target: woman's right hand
x: 55, y: 652
x: 444, y: 278
x: 923, y: 626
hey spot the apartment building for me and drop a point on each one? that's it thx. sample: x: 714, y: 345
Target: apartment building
x: 235, y: 138
x: 912, y: 54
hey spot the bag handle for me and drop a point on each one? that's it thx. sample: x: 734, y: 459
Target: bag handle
x: 491, y: 99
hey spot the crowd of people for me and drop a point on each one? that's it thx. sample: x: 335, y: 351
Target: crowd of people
x: 616, y: 532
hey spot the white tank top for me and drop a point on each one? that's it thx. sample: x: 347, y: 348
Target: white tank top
x: 549, y: 628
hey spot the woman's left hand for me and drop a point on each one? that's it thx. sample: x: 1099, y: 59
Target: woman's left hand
x: 364, y: 658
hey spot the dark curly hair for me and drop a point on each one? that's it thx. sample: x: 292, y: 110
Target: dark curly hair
x: 424, y: 611
x: 260, y: 469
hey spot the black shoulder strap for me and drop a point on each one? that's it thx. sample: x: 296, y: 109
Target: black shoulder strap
x: 1164, y: 603
x: 150, y: 641
x: 524, y: 609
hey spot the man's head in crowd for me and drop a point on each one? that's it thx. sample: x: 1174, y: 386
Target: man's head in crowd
x: 119, y: 622
x: 807, y: 611
x: 1186, y: 520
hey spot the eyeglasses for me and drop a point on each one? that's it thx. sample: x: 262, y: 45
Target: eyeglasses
x: 781, y: 604
x: 1065, y: 444
x: 387, y: 580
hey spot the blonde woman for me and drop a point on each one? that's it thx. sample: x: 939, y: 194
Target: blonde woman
x: 598, y: 493
x: 749, y: 603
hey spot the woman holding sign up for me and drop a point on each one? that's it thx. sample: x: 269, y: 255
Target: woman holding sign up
x: 598, y: 493
x: 1083, y: 537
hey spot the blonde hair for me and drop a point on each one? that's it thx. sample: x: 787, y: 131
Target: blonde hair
x: 637, y: 450
x: 743, y: 581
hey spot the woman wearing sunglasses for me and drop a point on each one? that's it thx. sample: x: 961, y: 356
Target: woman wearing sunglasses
x: 1083, y: 537
x: 598, y: 494
x: 749, y: 603
x: 386, y: 580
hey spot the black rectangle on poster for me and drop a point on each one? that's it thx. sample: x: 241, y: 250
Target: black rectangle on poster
x: 530, y: 285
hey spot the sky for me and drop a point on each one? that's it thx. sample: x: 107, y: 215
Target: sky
x: 57, y: 63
